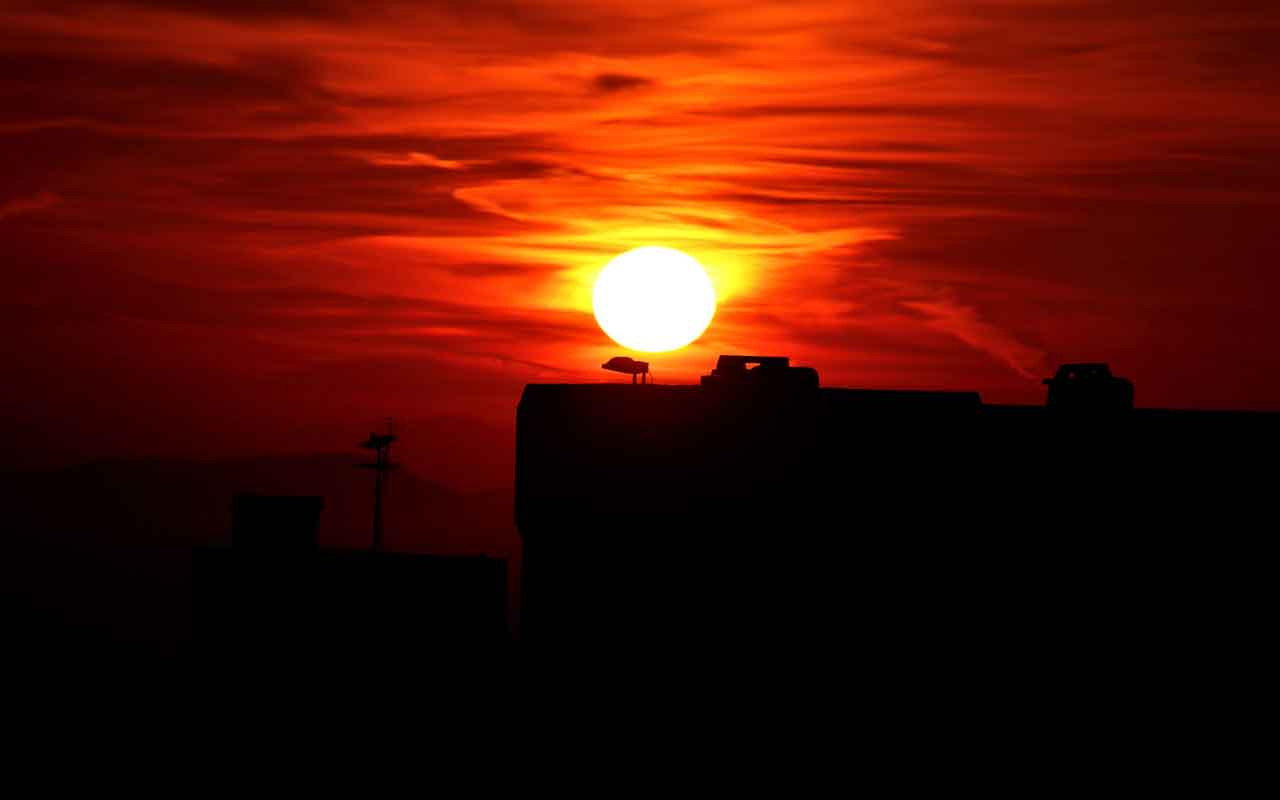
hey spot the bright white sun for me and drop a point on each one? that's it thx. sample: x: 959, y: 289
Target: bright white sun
x: 653, y: 299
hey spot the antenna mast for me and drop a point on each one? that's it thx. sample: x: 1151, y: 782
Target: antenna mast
x: 381, y: 445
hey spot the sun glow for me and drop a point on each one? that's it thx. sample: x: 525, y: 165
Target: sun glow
x: 653, y: 299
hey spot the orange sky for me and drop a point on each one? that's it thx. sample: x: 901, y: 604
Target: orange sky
x: 227, y: 229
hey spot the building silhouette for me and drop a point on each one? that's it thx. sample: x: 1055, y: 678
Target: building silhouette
x: 274, y: 596
x: 759, y: 510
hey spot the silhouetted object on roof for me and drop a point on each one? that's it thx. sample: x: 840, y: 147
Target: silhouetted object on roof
x: 382, y: 446
x: 768, y: 372
x: 276, y: 524
x: 628, y: 366
x: 1088, y: 388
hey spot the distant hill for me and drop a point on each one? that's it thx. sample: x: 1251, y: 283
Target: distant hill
x: 105, y: 547
x: 461, y: 453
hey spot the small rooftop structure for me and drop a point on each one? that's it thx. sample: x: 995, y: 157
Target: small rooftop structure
x: 1088, y: 387
x: 760, y: 371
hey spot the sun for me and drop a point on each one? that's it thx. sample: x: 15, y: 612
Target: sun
x: 653, y: 299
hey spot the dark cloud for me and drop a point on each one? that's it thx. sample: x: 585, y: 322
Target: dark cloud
x: 610, y: 82
x: 241, y: 9
x: 258, y: 89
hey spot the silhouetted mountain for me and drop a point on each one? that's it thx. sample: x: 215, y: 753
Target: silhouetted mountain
x: 461, y: 453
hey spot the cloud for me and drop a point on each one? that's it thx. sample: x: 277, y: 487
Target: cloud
x: 415, y: 159
x: 611, y: 82
x: 966, y: 324
x: 916, y: 194
x: 27, y: 205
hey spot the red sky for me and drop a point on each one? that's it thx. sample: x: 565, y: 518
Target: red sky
x: 236, y: 227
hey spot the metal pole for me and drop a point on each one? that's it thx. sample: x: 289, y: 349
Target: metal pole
x: 377, y: 500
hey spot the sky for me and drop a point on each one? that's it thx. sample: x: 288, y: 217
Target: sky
x: 230, y: 227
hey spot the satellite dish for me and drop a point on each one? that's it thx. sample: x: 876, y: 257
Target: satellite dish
x: 628, y: 366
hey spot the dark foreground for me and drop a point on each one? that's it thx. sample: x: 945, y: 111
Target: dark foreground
x: 921, y: 545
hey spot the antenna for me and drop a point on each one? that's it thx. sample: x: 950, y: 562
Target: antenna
x: 382, y: 464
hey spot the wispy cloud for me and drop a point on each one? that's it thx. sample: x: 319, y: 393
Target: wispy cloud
x: 27, y: 205
x: 414, y: 159
x: 966, y: 324
x: 917, y: 193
